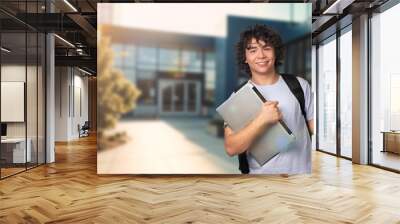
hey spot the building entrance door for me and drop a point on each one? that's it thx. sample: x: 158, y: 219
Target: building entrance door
x: 179, y: 97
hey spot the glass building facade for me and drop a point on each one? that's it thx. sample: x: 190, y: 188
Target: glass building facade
x: 191, y: 72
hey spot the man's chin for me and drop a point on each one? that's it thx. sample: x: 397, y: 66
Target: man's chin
x: 264, y: 71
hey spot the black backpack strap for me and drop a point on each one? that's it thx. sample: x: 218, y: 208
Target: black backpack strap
x: 243, y: 163
x: 295, y: 87
x: 240, y: 86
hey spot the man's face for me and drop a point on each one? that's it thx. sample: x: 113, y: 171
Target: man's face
x: 260, y: 57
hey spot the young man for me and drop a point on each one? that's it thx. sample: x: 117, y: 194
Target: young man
x: 259, y: 52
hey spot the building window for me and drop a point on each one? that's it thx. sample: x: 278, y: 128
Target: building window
x: 191, y: 61
x: 327, y: 96
x: 130, y: 56
x: 169, y: 60
x: 118, y: 59
x: 346, y: 94
x: 210, y: 73
x: 147, y: 87
x: 146, y: 82
x: 385, y: 89
x: 125, y: 60
x: 147, y: 58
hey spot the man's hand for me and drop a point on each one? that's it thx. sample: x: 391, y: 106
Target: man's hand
x: 270, y: 113
x: 236, y: 143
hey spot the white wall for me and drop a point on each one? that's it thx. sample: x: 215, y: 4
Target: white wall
x: 80, y: 94
x: 61, y: 103
x: 71, y: 87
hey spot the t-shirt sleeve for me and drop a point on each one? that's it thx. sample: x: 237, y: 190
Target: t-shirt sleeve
x: 308, y: 98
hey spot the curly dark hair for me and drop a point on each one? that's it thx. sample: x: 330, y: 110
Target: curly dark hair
x: 259, y: 32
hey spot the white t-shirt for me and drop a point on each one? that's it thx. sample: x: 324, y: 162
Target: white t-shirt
x: 298, y: 159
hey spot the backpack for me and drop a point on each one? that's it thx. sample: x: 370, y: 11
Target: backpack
x: 297, y: 91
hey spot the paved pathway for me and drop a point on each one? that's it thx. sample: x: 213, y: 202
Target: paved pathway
x: 167, y: 146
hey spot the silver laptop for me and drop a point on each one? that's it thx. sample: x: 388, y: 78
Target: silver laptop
x: 240, y: 109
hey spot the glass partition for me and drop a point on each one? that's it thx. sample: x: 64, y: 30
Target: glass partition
x: 14, y: 153
x: 31, y: 98
x: 22, y: 88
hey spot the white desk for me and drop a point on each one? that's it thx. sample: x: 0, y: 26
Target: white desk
x: 18, y: 150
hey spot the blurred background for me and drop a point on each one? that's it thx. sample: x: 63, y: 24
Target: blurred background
x: 164, y: 68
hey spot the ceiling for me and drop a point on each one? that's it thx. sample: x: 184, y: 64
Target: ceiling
x: 76, y: 22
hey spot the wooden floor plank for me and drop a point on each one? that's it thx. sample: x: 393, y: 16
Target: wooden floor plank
x: 70, y: 191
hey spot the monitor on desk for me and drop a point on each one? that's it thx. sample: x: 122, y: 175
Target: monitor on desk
x: 3, y: 130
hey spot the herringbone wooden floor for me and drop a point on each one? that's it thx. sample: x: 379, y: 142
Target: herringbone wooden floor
x: 70, y: 191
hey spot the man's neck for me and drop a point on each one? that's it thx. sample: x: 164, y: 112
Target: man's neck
x: 265, y: 79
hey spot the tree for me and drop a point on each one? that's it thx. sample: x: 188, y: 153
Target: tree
x: 116, y: 95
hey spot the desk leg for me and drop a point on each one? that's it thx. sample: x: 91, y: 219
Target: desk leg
x: 384, y: 142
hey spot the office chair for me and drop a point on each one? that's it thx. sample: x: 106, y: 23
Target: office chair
x: 84, y: 130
